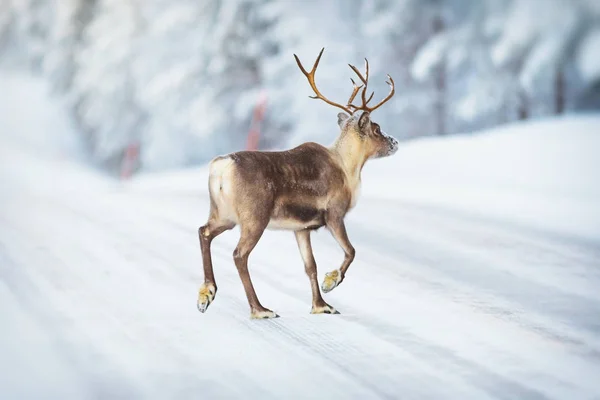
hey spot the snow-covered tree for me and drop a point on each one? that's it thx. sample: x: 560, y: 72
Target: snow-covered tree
x: 169, y: 67
x: 103, y: 88
x: 292, y: 117
x: 587, y: 62
x: 5, y: 21
x: 65, y: 34
x: 24, y: 28
x: 548, y: 43
x: 200, y: 71
x: 512, y: 61
x: 240, y: 45
x: 32, y: 28
x: 476, y: 89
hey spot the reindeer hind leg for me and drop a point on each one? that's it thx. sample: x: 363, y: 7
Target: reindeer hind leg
x: 213, y: 228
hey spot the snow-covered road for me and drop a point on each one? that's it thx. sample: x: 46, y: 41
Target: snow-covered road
x: 98, y: 286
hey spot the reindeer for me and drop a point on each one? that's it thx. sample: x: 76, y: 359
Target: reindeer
x: 301, y: 189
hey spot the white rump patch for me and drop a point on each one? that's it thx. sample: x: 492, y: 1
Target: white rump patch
x: 221, y: 187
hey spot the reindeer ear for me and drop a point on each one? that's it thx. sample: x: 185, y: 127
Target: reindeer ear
x: 364, y: 120
x: 341, y: 118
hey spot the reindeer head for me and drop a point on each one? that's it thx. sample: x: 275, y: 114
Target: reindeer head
x: 373, y: 142
x: 356, y: 124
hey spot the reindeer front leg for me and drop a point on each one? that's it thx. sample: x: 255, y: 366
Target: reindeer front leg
x: 318, y: 304
x: 336, y: 226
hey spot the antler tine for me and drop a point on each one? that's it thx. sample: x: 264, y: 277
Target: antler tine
x: 311, y: 80
x: 354, y: 93
x: 357, y: 72
x: 364, y: 92
x: 390, y: 82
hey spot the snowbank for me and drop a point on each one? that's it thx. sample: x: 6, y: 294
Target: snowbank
x: 541, y: 173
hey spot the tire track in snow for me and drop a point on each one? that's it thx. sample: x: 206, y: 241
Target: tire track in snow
x: 576, y: 261
x: 34, y: 295
x: 439, y: 259
x: 108, y: 312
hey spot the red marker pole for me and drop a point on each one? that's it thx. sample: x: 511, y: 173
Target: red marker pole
x: 132, y: 153
x: 257, y: 117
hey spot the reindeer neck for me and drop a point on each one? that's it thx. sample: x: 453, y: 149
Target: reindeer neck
x: 351, y: 155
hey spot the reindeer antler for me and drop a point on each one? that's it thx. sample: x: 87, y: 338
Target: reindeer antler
x: 363, y: 95
x: 311, y: 80
x: 349, y: 108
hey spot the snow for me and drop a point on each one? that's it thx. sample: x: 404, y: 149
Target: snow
x: 49, y: 133
x: 548, y: 54
x: 481, y: 97
x: 588, y: 61
x: 460, y: 288
x: 540, y: 60
x: 523, y: 28
x: 537, y: 173
x: 429, y: 56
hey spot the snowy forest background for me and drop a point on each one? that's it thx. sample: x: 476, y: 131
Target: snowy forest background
x: 181, y: 78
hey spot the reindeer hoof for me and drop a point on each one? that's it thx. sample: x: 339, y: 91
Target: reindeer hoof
x: 325, y: 309
x: 332, y: 279
x: 263, y: 314
x: 206, y: 296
